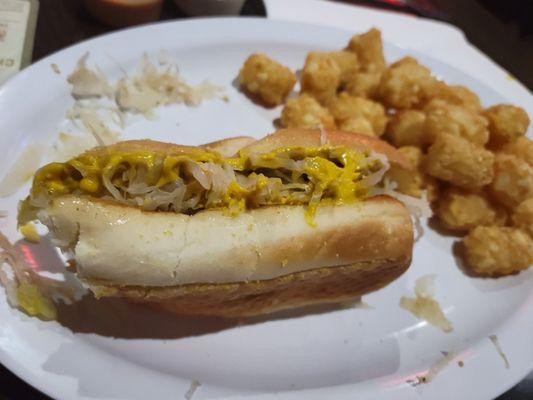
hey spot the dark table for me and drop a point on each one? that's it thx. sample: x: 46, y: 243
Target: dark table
x: 501, y: 29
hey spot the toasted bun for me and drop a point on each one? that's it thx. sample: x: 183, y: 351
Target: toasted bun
x: 313, y: 137
x: 230, y: 146
x: 282, y: 138
x: 241, y: 299
x: 145, y: 144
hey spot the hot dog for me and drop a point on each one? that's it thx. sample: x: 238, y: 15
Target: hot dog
x: 220, y: 229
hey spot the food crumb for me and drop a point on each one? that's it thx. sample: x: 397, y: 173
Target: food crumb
x: 438, y: 366
x: 225, y: 99
x: 284, y: 262
x: 71, y: 265
x: 192, y: 389
x: 30, y: 232
x: 461, y: 364
x: 496, y: 343
x: 55, y: 68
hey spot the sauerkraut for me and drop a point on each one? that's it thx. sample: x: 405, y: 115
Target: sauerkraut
x: 187, y: 183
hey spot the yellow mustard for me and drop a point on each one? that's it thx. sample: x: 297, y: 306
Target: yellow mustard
x: 334, y: 171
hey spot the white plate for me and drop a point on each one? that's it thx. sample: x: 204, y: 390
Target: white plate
x: 327, y: 353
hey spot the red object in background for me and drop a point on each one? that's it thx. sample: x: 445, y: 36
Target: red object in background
x: 438, y: 9
x: 397, y: 3
x: 121, y: 13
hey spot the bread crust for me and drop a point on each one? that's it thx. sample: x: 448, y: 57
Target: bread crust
x: 230, y: 146
x: 303, y: 137
x: 243, y: 299
x: 225, y: 147
x: 282, y: 138
x: 145, y: 145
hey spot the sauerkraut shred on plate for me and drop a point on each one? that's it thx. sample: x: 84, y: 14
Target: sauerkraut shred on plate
x: 101, y: 107
x: 435, y: 369
x: 151, y: 86
x: 424, y: 305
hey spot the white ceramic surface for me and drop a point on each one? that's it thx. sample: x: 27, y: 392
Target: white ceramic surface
x: 110, y: 350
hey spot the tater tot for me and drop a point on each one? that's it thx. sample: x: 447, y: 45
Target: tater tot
x: 458, y: 161
x: 456, y: 120
x: 506, y: 123
x: 266, y: 78
x: 457, y: 95
x: 364, y: 84
x: 406, y: 84
x: 321, y: 76
x: 347, y: 62
x: 432, y: 188
x: 412, y: 182
x: 369, y: 49
x: 460, y: 210
x: 408, y: 182
x: 413, y: 154
x: 406, y: 128
x: 523, y: 216
x: 305, y: 112
x: 416, y: 157
x: 498, y: 250
x: 521, y: 148
x: 433, y: 104
x: 513, y: 180
x: 344, y: 107
x: 357, y: 125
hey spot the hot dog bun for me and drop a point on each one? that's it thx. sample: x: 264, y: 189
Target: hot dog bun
x: 312, y: 137
x: 283, y: 138
x: 258, y: 261
x: 214, y: 247
x: 213, y: 257
x: 229, y: 147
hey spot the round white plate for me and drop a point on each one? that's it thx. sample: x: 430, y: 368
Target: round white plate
x: 108, y: 350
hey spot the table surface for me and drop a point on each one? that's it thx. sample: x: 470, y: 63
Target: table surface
x: 502, y: 30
